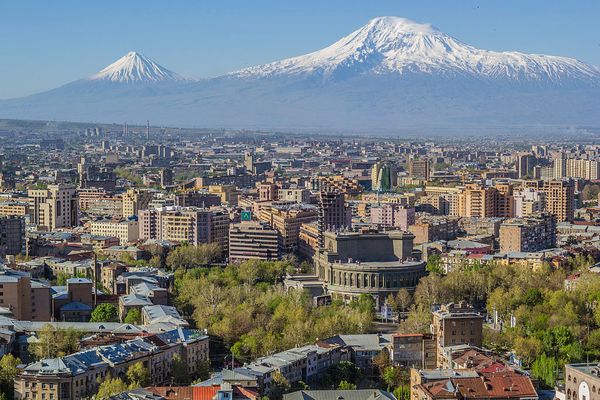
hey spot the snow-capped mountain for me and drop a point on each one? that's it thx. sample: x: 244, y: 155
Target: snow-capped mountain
x: 134, y: 67
x: 392, y: 74
x: 394, y: 45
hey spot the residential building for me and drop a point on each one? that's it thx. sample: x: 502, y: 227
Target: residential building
x: 333, y: 213
x: 135, y: 200
x: 54, y: 207
x: 126, y: 231
x: 528, y: 234
x: 420, y: 169
x: 79, y: 375
x: 455, y: 324
x: 393, y: 215
x: 191, y: 225
x: 434, y: 228
x: 12, y: 235
x: 26, y: 299
x: 287, y: 219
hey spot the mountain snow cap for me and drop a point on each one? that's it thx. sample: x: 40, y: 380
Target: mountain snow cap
x: 134, y: 67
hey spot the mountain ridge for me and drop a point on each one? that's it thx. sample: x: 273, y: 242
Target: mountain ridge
x: 390, y: 73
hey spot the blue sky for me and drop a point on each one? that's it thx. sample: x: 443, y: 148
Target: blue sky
x: 44, y: 44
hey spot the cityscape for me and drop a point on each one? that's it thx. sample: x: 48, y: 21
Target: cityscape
x: 288, y: 232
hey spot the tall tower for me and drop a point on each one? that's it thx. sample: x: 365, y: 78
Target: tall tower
x: 147, y: 130
x: 333, y: 214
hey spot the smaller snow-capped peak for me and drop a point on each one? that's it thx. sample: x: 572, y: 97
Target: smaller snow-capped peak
x: 134, y: 67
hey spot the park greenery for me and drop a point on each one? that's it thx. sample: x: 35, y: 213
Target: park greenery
x: 553, y: 325
x: 246, y: 305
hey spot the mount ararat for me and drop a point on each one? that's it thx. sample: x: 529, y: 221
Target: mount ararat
x: 392, y: 74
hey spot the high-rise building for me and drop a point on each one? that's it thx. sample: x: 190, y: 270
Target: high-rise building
x: 383, y: 176
x: 419, y: 169
x: 54, y: 207
x: 529, y: 201
x: 333, y: 213
x: 252, y: 240
x: 525, y: 164
x: 135, y: 200
x: 166, y: 177
x: 528, y: 234
x: 12, y: 235
x: 576, y: 168
x: 560, y: 199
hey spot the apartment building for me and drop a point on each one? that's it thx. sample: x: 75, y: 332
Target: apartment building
x: 560, y: 199
x: 393, y: 215
x: 528, y: 234
x: 12, y: 235
x: 24, y: 298
x: 54, y: 207
x: 576, y: 168
x: 529, y: 201
x: 79, y: 375
x: 456, y: 324
x: 299, y: 195
x: 420, y: 169
x: 287, y: 219
x: 197, y: 198
x: 185, y: 224
x: 135, y: 200
x: 19, y: 208
x: 433, y: 228
x: 253, y: 240
x: 126, y: 231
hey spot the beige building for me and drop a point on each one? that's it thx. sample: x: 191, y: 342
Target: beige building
x: 253, y: 240
x: 582, y: 381
x: 228, y: 193
x: 19, y: 208
x: 54, y: 207
x: 135, y: 200
x: 287, y: 219
x: 185, y: 224
x: 127, y: 231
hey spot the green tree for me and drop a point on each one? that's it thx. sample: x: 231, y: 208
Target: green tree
x: 179, y: 371
x: 105, y: 312
x: 8, y: 372
x: 434, y: 264
x: 343, y: 371
x: 133, y: 317
x: 187, y: 256
x: 110, y: 387
x: 279, y: 386
x: 345, y: 385
x: 138, y: 375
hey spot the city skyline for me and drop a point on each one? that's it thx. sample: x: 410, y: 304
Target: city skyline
x: 199, y: 42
